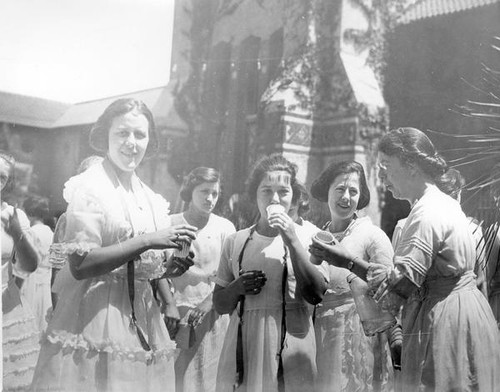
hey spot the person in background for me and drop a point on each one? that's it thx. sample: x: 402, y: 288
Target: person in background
x: 20, y: 257
x: 347, y: 359
x: 300, y: 208
x: 57, y: 252
x: 196, y: 366
x: 36, y: 287
x: 450, y: 338
x: 266, y: 282
x: 106, y: 332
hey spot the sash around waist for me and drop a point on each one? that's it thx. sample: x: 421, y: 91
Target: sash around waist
x: 444, y: 286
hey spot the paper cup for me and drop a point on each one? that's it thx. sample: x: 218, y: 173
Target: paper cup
x: 274, y: 209
x: 183, y: 252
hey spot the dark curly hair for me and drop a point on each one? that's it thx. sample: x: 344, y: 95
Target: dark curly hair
x: 270, y: 163
x: 196, y: 177
x: 99, y: 134
x: 321, y: 186
x: 36, y: 206
x: 413, y: 147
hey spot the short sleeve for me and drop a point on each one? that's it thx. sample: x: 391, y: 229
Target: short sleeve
x: 380, y: 250
x: 84, y: 223
x: 225, y: 273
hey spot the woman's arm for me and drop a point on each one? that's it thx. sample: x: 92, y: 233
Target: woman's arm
x: 100, y: 261
x: 27, y: 254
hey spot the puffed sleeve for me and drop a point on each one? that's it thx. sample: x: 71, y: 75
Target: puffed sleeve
x: 413, y: 257
x: 225, y: 272
x: 84, y: 223
x: 380, y: 249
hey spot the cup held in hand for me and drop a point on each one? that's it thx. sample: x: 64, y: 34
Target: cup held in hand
x: 272, y: 209
x: 325, y: 237
x: 183, y: 252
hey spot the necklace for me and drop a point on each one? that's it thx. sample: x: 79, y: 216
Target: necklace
x: 340, y: 235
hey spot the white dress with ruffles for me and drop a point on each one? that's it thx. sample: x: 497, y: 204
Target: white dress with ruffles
x: 89, y: 344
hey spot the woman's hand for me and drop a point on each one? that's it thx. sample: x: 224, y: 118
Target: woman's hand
x: 285, y: 225
x: 334, y: 254
x: 250, y: 282
x: 11, y: 223
x: 172, y: 237
x: 176, y: 266
x: 171, y: 317
x: 197, y: 314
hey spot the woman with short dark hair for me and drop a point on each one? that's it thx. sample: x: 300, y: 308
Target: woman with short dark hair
x: 196, y: 365
x: 106, y: 332
x: 347, y: 359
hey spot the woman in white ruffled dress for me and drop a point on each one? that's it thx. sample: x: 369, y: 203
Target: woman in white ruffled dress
x: 20, y: 257
x: 116, y: 235
x: 196, y: 366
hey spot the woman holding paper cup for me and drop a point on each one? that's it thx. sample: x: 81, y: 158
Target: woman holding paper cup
x: 196, y: 366
x: 347, y: 359
x: 107, y: 333
x: 266, y: 282
x: 450, y: 338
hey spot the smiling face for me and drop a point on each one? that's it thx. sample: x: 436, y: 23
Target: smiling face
x: 395, y: 175
x: 128, y: 140
x: 205, y: 197
x: 275, y: 188
x: 343, y: 196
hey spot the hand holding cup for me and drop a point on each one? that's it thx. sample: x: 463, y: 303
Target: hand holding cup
x: 272, y: 210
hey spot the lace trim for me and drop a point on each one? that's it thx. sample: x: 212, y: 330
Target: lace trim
x: 19, y: 339
x: 20, y: 355
x: 10, y: 323
x: 69, y: 341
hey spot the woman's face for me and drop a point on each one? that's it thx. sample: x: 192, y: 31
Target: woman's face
x: 205, y: 197
x: 395, y: 175
x: 275, y: 188
x: 343, y: 196
x: 4, y: 173
x: 128, y: 140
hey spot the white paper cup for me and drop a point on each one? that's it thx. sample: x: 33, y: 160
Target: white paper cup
x: 274, y: 209
x: 183, y: 252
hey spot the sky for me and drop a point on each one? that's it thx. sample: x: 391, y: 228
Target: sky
x: 81, y: 50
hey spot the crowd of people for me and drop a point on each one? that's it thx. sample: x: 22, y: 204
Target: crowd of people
x: 125, y: 296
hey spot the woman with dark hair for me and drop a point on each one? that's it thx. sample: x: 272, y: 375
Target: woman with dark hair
x: 106, y: 332
x: 266, y: 282
x: 450, y: 339
x: 196, y: 366
x: 20, y: 257
x: 347, y: 359
x: 36, y: 288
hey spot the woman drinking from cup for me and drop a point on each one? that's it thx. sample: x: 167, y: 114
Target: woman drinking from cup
x: 266, y: 281
x: 347, y: 359
x: 107, y: 333
x: 196, y: 366
x: 450, y: 339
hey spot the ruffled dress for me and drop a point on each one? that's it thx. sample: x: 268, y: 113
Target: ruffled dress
x: 347, y: 359
x: 261, y: 332
x: 20, y: 334
x: 90, y: 344
x: 36, y: 288
x: 196, y: 367
x: 450, y: 338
